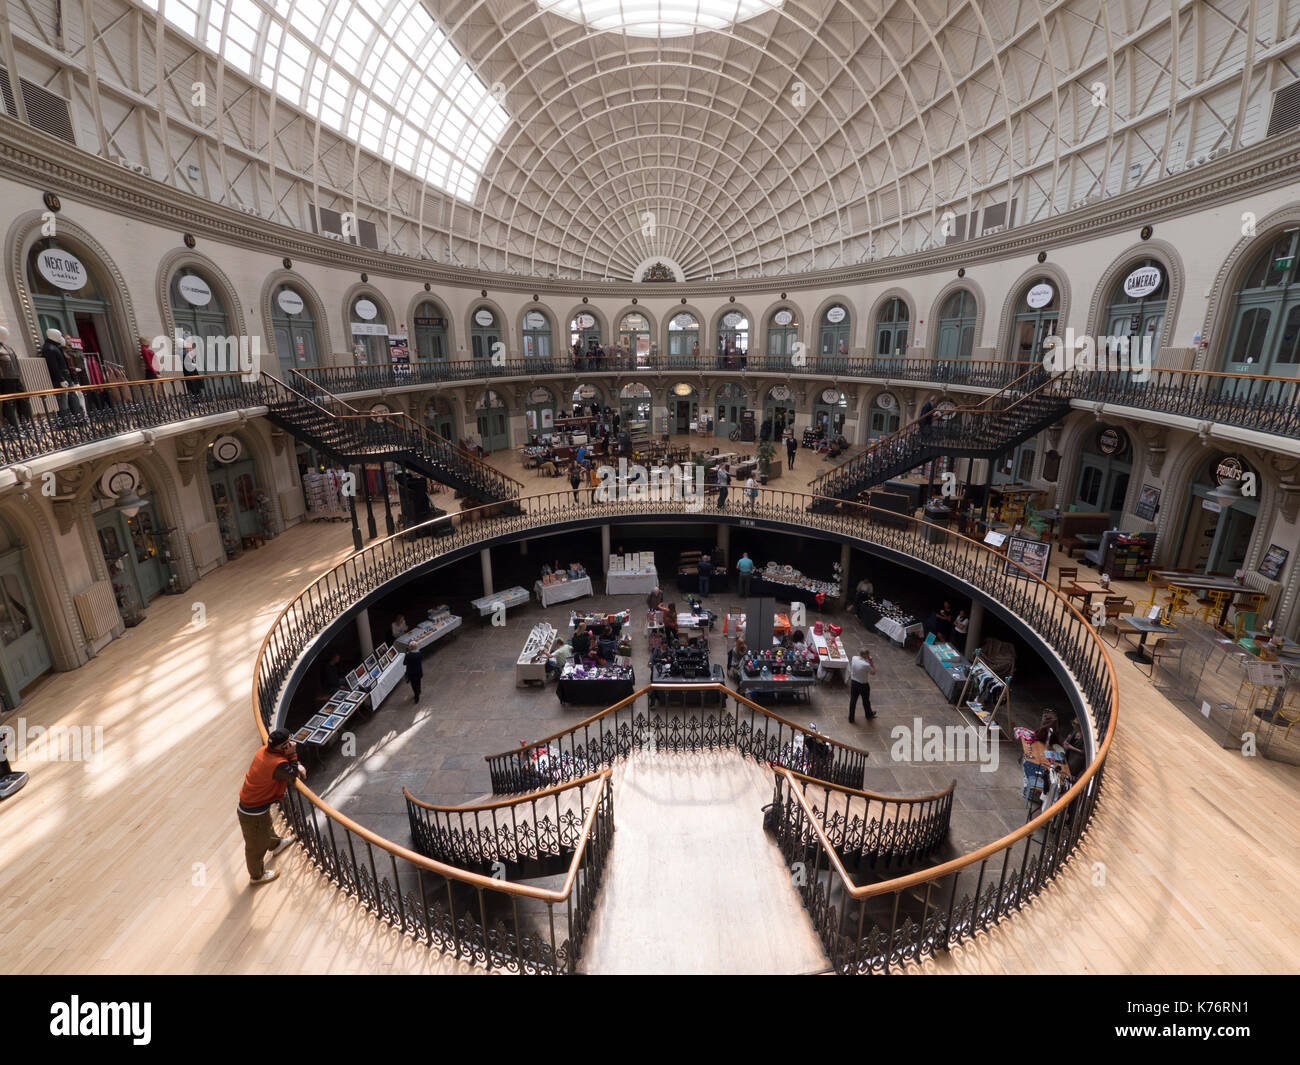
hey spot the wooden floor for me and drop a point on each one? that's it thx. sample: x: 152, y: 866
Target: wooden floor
x: 135, y: 864
x: 694, y: 885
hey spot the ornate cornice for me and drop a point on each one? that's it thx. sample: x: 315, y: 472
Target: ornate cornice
x: 46, y: 162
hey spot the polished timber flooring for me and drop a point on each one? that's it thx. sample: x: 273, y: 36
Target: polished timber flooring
x: 136, y: 865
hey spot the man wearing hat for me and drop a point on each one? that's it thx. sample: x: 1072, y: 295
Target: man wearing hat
x: 273, y: 768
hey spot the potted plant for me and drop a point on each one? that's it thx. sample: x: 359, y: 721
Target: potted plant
x: 765, y: 450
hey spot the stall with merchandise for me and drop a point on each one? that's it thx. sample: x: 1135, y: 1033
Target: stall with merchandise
x: 631, y: 574
x: 530, y: 667
x: 587, y: 685
x: 788, y: 585
x: 440, y: 622
x: 563, y: 585
x: 368, y: 685
x: 511, y: 597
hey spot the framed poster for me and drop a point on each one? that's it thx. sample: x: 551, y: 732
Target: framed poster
x: 1032, y: 554
x: 1273, y: 561
x: 1148, y: 503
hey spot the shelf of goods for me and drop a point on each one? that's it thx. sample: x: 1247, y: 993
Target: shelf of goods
x: 531, y: 664
x: 370, y: 684
x: 594, y: 686
x: 631, y: 574
x: 440, y: 622
x: 510, y: 597
x: 789, y: 585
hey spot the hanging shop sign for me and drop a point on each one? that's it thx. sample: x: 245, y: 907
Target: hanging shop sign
x: 780, y: 392
x: 836, y: 315
x: 227, y: 448
x: 62, y: 269
x: 430, y: 323
x: 535, y: 320
x: 1110, y: 441
x: 1143, y: 281
x: 831, y: 395
x: 365, y: 310
x: 783, y: 318
x: 119, y: 479
x: 886, y: 401
x: 944, y: 409
x: 684, y: 321
x: 683, y: 389
x: 194, y: 290
x: 290, y: 302
x: 1040, y: 295
x: 539, y: 395
x: 732, y: 319
x: 585, y: 321
x: 1229, y: 470
x: 484, y: 317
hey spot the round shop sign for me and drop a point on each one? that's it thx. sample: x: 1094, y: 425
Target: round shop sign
x: 831, y: 395
x: 585, y: 321
x: 1229, y: 470
x: 539, y: 395
x: 1040, y: 295
x: 684, y: 321
x: 484, y: 317
x: 366, y: 310
x: 290, y: 302
x: 943, y: 410
x: 836, y: 315
x: 886, y: 401
x: 732, y: 320
x: 1109, y: 441
x: 783, y: 318
x: 194, y: 290
x: 780, y: 392
x: 534, y: 320
x: 119, y: 479
x: 227, y: 449
x: 683, y: 389
x: 62, y: 269
x: 1143, y: 281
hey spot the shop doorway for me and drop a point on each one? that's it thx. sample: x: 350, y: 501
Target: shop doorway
x: 24, y: 653
x: 1104, y: 470
x: 493, y: 430
x: 131, y: 549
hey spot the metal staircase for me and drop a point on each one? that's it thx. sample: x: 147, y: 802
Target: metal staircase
x: 1021, y: 410
x: 320, y: 419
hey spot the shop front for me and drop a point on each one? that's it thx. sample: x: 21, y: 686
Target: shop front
x: 485, y: 334
x: 683, y: 407
x: 834, y: 337
x: 539, y: 415
x: 730, y: 404
x: 733, y: 337
x: 441, y: 419
x: 830, y: 411
x: 883, y: 416
x: 1218, y: 519
x: 778, y: 409
x: 584, y: 334
x: 24, y: 652
x: 587, y: 399
x: 1264, y: 333
x: 892, y: 323
x: 136, y: 545
x: 492, y: 417
x: 634, y: 403
x: 369, y: 330
x: 782, y: 337
x: 294, y: 326
x: 242, y: 506
x: 69, y: 295
x: 955, y: 336
x: 1038, y: 309
x: 196, y: 306
x: 1104, y: 468
x: 634, y: 337
x: 430, y: 325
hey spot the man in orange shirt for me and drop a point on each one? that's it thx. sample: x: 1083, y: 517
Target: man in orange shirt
x: 273, y: 768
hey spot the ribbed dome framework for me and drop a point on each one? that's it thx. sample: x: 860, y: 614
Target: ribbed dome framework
x: 791, y: 135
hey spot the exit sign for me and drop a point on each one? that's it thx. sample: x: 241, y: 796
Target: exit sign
x: 1284, y: 263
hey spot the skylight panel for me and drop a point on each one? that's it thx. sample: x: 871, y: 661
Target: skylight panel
x: 659, y: 18
x: 385, y: 76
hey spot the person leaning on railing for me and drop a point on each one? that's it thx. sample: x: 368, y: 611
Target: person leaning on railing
x: 273, y: 768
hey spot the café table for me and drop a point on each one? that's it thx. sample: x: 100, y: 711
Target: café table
x: 1146, y: 627
x: 1199, y: 582
x: 1085, y: 590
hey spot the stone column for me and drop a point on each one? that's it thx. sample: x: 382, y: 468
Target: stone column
x: 975, y: 633
x: 485, y: 561
x: 363, y: 635
x: 604, y: 549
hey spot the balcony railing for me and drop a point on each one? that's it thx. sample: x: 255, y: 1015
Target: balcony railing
x: 871, y: 928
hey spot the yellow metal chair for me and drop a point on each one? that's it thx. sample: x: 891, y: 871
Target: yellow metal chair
x: 1254, y: 602
x: 1155, y: 584
x: 1214, y: 603
x: 1290, y: 712
x: 1179, y: 601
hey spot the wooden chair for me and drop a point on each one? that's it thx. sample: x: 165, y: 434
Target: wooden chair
x: 1066, y: 576
x: 1116, y: 606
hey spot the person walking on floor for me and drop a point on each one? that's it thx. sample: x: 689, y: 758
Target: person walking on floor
x: 705, y: 571
x: 791, y: 447
x: 575, y: 480
x: 751, y: 492
x: 861, y: 670
x: 273, y: 768
x: 724, y: 480
x: 745, y: 568
x: 414, y: 662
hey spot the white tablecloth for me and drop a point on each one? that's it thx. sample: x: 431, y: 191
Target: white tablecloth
x: 389, y: 679
x: 562, y: 592
x: 510, y: 597
x: 823, y: 653
x: 899, y: 633
x: 643, y: 582
x: 421, y: 637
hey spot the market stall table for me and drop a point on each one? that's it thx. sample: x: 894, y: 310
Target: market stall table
x: 798, y: 687
x: 631, y: 575
x: 562, y: 591
x: 831, y: 655
x: 510, y: 597
x: 530, y: 666
x: 606, y: 688
x: 426, y: 633
x: 677, y: 691
x: 900, y: 632
x: 946, y: 666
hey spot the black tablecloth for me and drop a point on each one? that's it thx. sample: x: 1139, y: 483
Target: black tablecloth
x: 686, y: 697
x: 786, y: 593
x: 578, y: 692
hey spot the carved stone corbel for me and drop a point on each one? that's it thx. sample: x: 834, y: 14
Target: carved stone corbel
x: 1156, y: 438
x: 70, y: 486
x: 189, y: 447
x: 278, y: 437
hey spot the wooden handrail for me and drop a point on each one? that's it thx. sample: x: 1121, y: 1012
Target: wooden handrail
x: 147, y: 382
x: 516, y: 800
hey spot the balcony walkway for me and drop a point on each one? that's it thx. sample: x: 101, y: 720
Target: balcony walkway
x: 137, y: 866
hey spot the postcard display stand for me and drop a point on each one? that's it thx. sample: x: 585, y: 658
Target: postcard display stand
x: 987, y: 697
x: 368, y: 686
x: 531, y: 664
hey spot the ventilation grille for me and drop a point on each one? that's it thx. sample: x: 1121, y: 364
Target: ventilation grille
x: 205, y: 543
x: 47, y: 112
x: 97, y: 610
x: 7, y: 92
x: 1286, y: 109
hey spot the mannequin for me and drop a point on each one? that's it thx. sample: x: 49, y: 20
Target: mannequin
x: 56, y: 361
x: 16, y: 411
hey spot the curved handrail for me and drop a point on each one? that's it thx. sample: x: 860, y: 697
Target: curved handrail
x: 1061, y: 627
x: 501, y: 803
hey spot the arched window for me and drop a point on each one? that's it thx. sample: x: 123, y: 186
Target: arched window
x: 485, y: 334
x: 492, y: 421
x: 537, y: 335
x: 584, y: 333
x: 1218, y: 519
x: 69, y: 296
x: 835, y: 333
x: 295, y: 330
x: 782, y: 336
x: 23, y: 648
x: 955, y: 337
x: 1104, y: 467
x: 634, y: 403
x: 891, y: 328
x: 1136, y: 307
x: 430, y: 332
x: 634, y: 337
x: 196, y: 306
x: 883, y: 418
x: 369, y: 331
x: 1036, y: 314
x: 683, y: 406
x: 830, y: 410
x: 1264, y: 337
x: 683, y: 338
x: 540, y: 413
x: 733, y: 334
